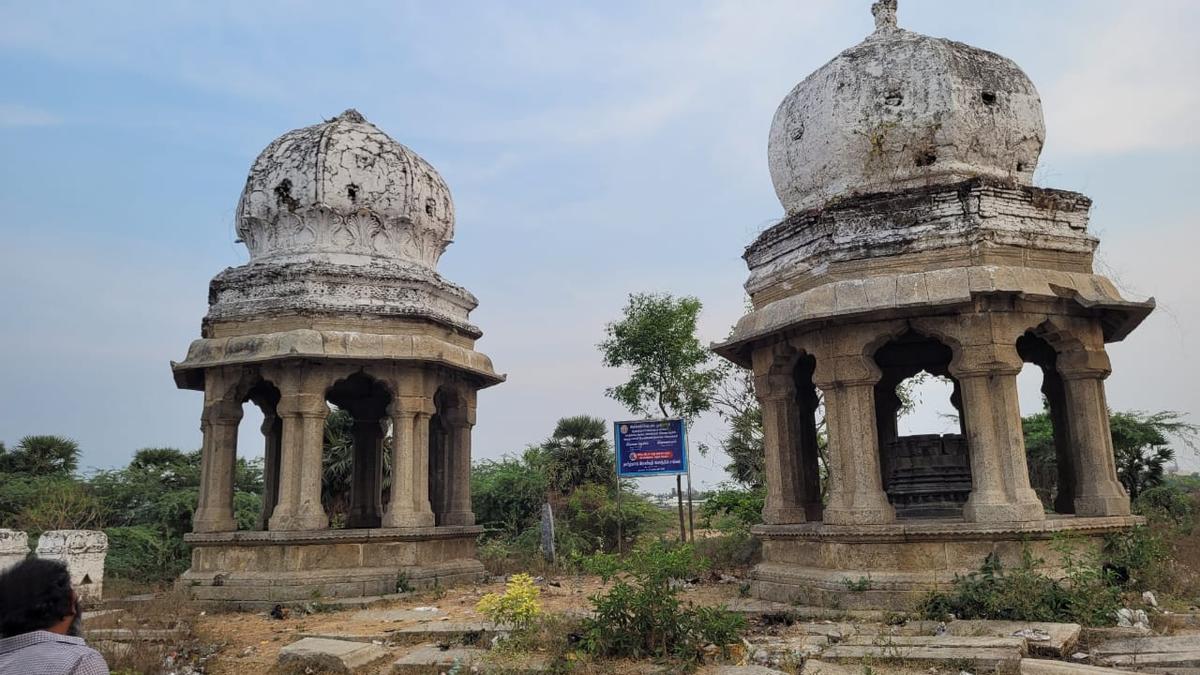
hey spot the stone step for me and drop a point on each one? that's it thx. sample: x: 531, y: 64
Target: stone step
x: 469, y: 634
x: 938, y: 641
x: 1060, y: 638
x: 332, y: 656
x: 1046, y: 667
x: 1141, y: 645
x: 987, y: 654
x: 433, y: 660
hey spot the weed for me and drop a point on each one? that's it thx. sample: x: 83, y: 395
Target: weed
x: 857, y: 585
x: 517, y: 607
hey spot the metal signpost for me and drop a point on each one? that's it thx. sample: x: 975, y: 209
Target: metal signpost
x: 653, y: 448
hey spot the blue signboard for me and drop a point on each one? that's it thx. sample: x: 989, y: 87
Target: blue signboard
x: 651, y: 447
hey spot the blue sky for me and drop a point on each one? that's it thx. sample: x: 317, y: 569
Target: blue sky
x: 592, y: 150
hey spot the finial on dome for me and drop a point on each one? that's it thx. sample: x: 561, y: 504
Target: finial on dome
x: 884, y: 12
x: 352, y: 115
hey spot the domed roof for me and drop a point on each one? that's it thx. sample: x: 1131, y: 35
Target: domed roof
x: 900, y: 110
x: 343, y: 191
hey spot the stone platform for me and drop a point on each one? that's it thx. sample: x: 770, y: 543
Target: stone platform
x: 892, y: 566
x: 259, y: 569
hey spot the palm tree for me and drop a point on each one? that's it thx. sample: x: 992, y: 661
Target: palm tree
x: 41, y: 456
x: 578, y: 452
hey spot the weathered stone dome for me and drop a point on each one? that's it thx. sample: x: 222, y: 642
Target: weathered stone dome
x: 343, y: 191
x: 900, y: 110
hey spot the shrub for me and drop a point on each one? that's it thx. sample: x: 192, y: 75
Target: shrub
x: 60, y: 503
x: 642, y: 616
x: 1022, y: 593
x: 1167, y: 505
x: 517, y: 607
x: 142, y: 553
x: 1138, y: 557
x: 731, y: 509
x: 507, y: 496
x: 588, y: 521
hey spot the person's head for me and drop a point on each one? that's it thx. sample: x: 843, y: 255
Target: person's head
x: 36, y: 594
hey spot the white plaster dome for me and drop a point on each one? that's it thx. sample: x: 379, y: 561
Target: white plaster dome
x: 901, y: 109
x: 343, y: 191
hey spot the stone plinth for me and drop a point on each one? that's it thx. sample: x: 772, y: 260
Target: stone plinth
x: 893, y: 566
x: 14, y: 547
x: 257, y: 569
x: 83, y: 551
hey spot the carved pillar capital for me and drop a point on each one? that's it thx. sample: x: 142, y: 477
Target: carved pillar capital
x: 987, y: 359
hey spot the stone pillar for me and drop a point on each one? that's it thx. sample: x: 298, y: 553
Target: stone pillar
x: 83, y: 551
x: 366, y: 508
x: 218, y: 454
x: 460, y: 420
x: 776, y: 392
x: 303, y: 410
x: 855, y: 495
x: 14, y: 547
x: 1000, y: 490
x: 1097, y: 490
x: 408, y: 505
x: 272, y: 429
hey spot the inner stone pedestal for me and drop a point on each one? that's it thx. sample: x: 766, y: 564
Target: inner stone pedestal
x: 893, y: 566
x: 257, y: 570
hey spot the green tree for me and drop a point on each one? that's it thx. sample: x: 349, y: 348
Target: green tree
x: 41, y: 456
x: 656, y: 340
x: 577, y: 453
x: 1141, y: 442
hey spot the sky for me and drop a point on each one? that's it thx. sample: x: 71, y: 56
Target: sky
x: 593, y: 150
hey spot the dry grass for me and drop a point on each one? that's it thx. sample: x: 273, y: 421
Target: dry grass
x: 140, y: 653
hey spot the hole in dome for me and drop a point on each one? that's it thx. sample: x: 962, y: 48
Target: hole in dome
x: 893, y: 98
x: 283, y: 195
x: 798, y: 132
x: 926, y: 158
x: 1020, y: 166
x: 352, y: 192
x: 429, y: 206
x: 989, y: 97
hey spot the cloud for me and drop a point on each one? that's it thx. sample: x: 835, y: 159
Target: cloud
x: 18, y: 115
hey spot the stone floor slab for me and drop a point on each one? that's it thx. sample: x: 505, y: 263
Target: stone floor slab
x: 433, y: 660
x: 398, y: 614
x: 468, y: 634
x: 1060, y: 638
x: 335, y: 656
x: 1006, y: 660
x: 1047, y: 667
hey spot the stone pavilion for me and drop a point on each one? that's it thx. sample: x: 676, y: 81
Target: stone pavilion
x: 914, y: 240
x: 340, y: 303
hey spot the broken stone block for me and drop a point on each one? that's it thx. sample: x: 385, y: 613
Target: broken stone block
x: 83, y: 551
x: 432, y: 660
x: 14, y: 547
x: 1177, y: 651
x: 1042, y: 638
x: 1047, y: 667
x: 417, y: 614
x: 986, y: 654
x: 748, y: 670
x: 468, y: 633
x: 334, y: 656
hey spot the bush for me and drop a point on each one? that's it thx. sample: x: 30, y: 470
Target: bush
x: 517, y: 607
x: 1085, y: 596
x: 507, y: 496
x: 142, y: 553
x: 588, y: 521
x: 1167, y: 505
x: 59, y: 503
x: 1139, y: 557
x: 642, y: 615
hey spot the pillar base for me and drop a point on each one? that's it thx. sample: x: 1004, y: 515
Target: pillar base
x: 1117, y: 505
x: 408, y: 519
x: 257, y: 570
x: 892, y: 567
x: 878, y: 515
x: 283, y: 522
x: 1004, y: 512
x: 459, y: 518
x: 784, y: 515
x: 207, y: 521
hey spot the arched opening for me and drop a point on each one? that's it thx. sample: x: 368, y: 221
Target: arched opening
x: 354, y: 456
x: 811, y: 440
x: 265, y: 396
x: 1047, y: 434
x: 925, y: 475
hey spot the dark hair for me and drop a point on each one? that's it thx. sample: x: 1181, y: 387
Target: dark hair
x: 35, y: 594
